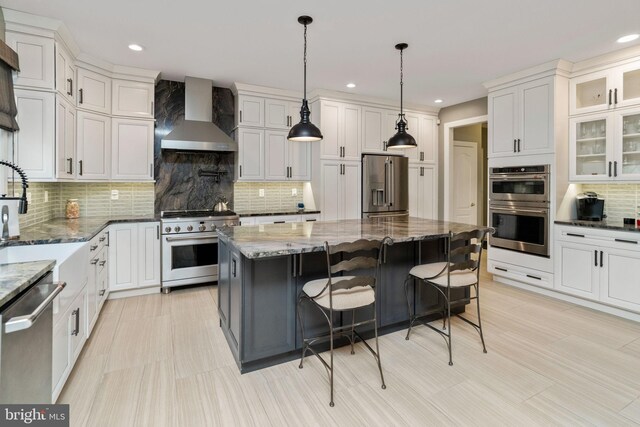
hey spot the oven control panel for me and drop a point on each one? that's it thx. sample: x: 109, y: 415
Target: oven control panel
x: 195, y: 225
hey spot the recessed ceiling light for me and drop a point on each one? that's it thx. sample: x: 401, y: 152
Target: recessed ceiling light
x: 438, y: 101
x: 351, y: 85
x: 135, y: 47
x: 628, y: 38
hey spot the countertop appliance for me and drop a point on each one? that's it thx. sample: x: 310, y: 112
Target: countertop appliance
x: 190, y: 246
x: 385, y: 185
x: 519, y: 203
x: 26, y: 344
x: 590, y: 206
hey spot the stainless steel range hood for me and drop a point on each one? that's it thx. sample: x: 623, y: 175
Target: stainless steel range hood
x: 197, y: 132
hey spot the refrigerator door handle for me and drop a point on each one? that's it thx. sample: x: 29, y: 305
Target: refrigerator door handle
x: 386, y: 182
x: 391, y: 184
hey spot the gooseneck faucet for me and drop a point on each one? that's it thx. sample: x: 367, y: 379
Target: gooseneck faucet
x: 22, y: 206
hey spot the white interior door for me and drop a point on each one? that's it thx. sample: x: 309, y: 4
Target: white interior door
x: 464, y: 194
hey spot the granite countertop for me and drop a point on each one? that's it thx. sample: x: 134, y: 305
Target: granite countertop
x: 18, y: 276
x: 291, y: 212
x: 62, y: 230
x: 267, y: 240
x: 604, y: 224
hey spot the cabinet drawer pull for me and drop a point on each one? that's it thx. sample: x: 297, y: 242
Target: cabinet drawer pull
x: 81, y: 93
x: 94, y: 261
x: 93, y: 248
x: 575, y: 235
x: 501, y: 269
x: 534, y: 277
x: 601, y: 263
x: 76, y: 329
x: 102, y: 239
x: 278, y: 222
x: 627, y: 241
x: 311, y: 220
x: 595, y: 257
x: 102, y: 263
x: 101, y: 293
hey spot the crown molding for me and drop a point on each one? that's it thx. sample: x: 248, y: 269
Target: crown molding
x: 558, y: 67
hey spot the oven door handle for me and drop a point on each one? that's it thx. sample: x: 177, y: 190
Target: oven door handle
x: 519, y: 210
x: 516, y: 177
x: 178, y: 239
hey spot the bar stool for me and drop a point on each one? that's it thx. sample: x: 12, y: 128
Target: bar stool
x: 460, y: 270
x: 344, y: 293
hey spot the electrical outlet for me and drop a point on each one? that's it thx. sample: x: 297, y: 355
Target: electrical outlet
x: 294, y: 192
x: 29, y: 196
x: 261, y: 192
x: 261, y: 228
x: 115, y: 194
x: 46, y: 196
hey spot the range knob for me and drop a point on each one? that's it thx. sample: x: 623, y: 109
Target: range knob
x: 176, y: 228
x: 213, y: 227
x: 167, y: 229
x: 202, y: 227
x: 189, y: 228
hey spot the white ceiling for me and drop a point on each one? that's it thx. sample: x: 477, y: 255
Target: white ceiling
x: 454, y: 45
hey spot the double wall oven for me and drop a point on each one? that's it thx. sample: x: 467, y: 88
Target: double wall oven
x: 519, y: 200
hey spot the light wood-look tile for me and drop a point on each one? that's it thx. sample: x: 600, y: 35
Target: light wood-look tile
x: 162, y: 360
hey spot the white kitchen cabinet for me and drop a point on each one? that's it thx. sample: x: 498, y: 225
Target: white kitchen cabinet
x: 94, y: 91
x: 132, y: 99
x: 373, y: 132
x: 132, y: 149
x: 620, y: 278
x: 427, y: 150
x: 341, y: 127
x: 37, y: 56
x: 521, y: 119
x: 423, y: 191
x: 605, y: 146
x: 93, y: 140
x: 134, y: 255
x: 284, y: 159
x: 34, y: 142
x: 96, y: 269
x: 65, y: 74
x: 577, y: 269
x: 605, y: 90
x: 280, y: 114
x: 250, y: 154
x: 65, y: 139
x: 340, y: 190
x: 250, y: 111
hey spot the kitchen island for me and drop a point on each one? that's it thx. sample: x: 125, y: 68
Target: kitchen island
x: 263, y: 268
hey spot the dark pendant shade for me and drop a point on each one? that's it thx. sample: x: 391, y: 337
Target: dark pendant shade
x: 305, y: 130
x: 401, y: 139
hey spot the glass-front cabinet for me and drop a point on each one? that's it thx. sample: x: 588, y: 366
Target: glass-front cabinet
x: 606, y: 90
x: 606, y: 146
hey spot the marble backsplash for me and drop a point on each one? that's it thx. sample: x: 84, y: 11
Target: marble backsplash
x: 94, y: 199
x: 277, y: 196
x: 621, y: 200
x: 179, y: 182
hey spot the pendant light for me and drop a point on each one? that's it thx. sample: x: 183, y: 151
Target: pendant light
x: 401, y: 139
x: 305, y: 130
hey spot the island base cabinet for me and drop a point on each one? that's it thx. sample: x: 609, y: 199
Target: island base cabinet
x: 223, y: 283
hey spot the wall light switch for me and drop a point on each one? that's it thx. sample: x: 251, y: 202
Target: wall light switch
x: 261, y: 192
x: 29, y: 196
x: 294, y: 191
x: 115, y: 194
x: 46, y: 196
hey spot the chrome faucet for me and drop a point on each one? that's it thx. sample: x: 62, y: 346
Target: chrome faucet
x: 23, y: 205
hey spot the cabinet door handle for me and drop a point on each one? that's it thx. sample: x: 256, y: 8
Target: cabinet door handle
x: 70, y: 91
x: 615, y: 168
x: 76, y: 329
x: 575, y: 235
x: 80, y: 171
x: 601, y: 263
x: 240, y: 116
x: 518, y: 145
x: 70, y: 160
x: 153, y: 113
x: 151, y: 170
x: 240, y: 171
x: 609, y: 96
x: 233, y: 267
x: 626, y: 241
x: 615, y: 96
x: 102, y: 239
x: 422, y: 155
x: 81, y: 93
x: 157, y: 232
x: 609, y: 169
x: 107, y: 234
x: 595, y: 257
x: 514, y: 145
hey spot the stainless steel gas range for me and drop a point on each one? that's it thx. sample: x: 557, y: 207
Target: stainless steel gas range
x: 190, y: 246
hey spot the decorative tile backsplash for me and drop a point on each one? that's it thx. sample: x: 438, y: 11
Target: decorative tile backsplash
x: 621, y: 200
x: 94, y: 199
x: 277, y: 196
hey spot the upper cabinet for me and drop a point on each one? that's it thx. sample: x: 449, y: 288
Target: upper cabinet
x: 250, y: 154
x: 36, y: 55
x: 281, y: 114
x: 606, y: 89
x: 93, y: 146
x: 132, y: 99
x: 521, y: 119
x: 284, y: 159
x: 65, y: 74
x: 340, y: 126
x: 131, y: 149
x: 94, y: 91
x: 250, y: 111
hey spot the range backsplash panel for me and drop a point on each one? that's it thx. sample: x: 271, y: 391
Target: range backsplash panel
x: 178, y: 181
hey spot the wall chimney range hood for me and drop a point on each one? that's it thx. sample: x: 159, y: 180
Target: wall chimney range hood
x: 197, y: 132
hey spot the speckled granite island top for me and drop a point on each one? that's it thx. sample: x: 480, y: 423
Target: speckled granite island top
x: 18, y: 276
x: 268, y: 240
x: 62, y: 230
x: 604, y: 225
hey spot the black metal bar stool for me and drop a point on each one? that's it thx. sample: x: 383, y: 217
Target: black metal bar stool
x: 460, y: 270
x: 339, y: 293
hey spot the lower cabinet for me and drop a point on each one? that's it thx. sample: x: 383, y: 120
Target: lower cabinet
x: 599, y: 265
x: 134, y: 255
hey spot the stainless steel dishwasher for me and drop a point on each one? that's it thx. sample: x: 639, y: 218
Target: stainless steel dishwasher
x: 25, y: 344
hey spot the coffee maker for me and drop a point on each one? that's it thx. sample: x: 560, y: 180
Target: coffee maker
x: 590, y: 206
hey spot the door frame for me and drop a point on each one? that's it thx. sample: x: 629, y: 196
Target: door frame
x: 448, y: 167
x: 478, y: 150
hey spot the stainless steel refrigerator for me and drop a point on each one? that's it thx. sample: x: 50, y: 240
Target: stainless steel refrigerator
x: 385, y: 185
